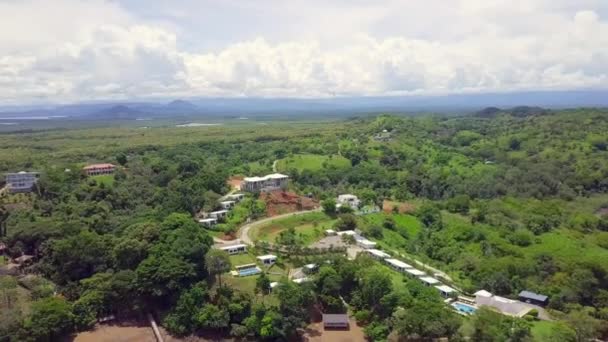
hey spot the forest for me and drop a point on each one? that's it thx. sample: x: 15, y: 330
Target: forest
x: 501, y: 200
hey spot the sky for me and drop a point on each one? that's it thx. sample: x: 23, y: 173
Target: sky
x: 62, y: 51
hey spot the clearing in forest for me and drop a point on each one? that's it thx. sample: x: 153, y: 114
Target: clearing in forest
x: 311, y: 162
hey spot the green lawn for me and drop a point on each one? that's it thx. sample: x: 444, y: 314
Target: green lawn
x: 541, y: 331
x: 309, y: 226
x: 107, y: 180
x: 311, y: 162
x: 242, y: 259
x: 2, y: 260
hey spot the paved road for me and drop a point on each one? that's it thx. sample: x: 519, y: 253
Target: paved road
x: 243, y: 232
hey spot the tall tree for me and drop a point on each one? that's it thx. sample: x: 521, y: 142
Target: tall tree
x: 217, y: 262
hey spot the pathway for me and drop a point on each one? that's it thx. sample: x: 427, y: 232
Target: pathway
x: 274, y: 166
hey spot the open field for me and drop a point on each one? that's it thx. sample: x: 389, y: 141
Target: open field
x: 106, y: 180
x: 312, y: 162
x: 309, y: 226
x: 242, y: 259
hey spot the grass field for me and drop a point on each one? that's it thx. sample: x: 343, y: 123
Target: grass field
x: 311, y: 162
x: 242, y: 259
x: 107, y: 180
x: 309, y: 227
x: 541, y: 331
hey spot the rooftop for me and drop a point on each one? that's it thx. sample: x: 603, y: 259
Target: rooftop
x: 240, y: 245
x: 399, y: 263
x: 267, y: 257
x: 378, y: 253
x: 483, y: 293
x: 429, y: 280
x: 267, y: 177
x: 532, y: 295
x: 335, y: 318
x: 445, y: 288
x: 415, y: 272
x: 219, y: 212
x: 98, y: 166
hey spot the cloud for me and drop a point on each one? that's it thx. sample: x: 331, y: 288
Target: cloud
x: 84, y: 50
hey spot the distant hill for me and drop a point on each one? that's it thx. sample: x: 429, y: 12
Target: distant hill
x: 488, y: 112
x: 118, y: 112
x: 181, y: 105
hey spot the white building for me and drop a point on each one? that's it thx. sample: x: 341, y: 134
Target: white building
x: 347, y: 232
x: 445, y: 290
x: 227, y: 204
x: 330, y: 232
x: 365, y: 243
x: 349, y: 200
x: 398, y: 265
x: 218, y: 215
x: 378, y: 254
x: 275, y: 181
x: 415, y: 273
x: 429, y: 281
x: 21, y: 181
x: 236, y: 197
x: 234, y: 249
x: 208, y: 222
x: 268, y: 259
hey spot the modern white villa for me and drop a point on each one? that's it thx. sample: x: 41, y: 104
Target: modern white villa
x: 445, y: 290
x: 227, y: 204
x: 275, y: 181
x: 268, y: 259
x: 378, y: 254
x: 21, y: 181
x: 234, y: 249
x: 398, y: 265
x: 218, y: 215
x: 349, y: 200
x: 365, y: 243
x: 208, y: 222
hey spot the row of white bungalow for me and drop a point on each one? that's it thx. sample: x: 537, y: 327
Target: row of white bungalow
x: 405, y: 268
x: 216, y: 216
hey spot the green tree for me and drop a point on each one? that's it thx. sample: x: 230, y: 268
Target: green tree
x: 218, y: 262
x: 329, y: 206
x: 50, y: 318
x: 262, y: 284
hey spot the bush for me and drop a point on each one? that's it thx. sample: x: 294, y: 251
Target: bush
x: 363, y: 317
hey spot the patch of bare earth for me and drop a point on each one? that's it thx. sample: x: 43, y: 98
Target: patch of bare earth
x: 283, y: 202
x: 117, y: 333
x: 315, y: 332
x: 404, y: 207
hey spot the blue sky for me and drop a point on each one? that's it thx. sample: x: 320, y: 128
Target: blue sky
x: 72, y: 50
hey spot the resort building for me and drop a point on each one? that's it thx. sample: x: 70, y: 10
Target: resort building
x: 275, y: 181
x: 268, y: 259
x: 533, y: 298
x: 235, y: 197
x: 330, y: 232
x: 347, y: 232
x: 21, y: 181
x: 234, y: 249
x: 335, y: 321
x: 504, y: 305
x: 399, y: 265
x: 378, y: 254
x: 301, y: 280
x: 208, y: 222
x: 227, y: 204
x: 429, y: 281
x: 99, y: 169
x: 415, y: 273
x: 446, y: 291
x: 365, y: 243
x: 349, y: 200
x: 310, y: 268
x: 218, y: 215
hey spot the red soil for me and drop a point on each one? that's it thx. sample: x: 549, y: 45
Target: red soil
x: 281, y: 202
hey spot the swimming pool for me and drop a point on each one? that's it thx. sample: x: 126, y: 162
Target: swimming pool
x: 464, y: 308
x: 249, y: 271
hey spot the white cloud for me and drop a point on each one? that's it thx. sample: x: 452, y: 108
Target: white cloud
x: 69, y: 50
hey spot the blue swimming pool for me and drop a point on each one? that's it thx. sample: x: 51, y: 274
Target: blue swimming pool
x: 249, y: 271
x: 464, y: 308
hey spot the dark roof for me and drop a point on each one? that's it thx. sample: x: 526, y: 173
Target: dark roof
x: 335, y: 318
x: 532, y: 295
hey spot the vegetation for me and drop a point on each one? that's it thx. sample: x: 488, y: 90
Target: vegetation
x: 508, y: 202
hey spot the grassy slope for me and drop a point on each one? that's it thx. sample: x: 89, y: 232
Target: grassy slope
x: 107, y: 180
x: 303, y: 224
x: 311, y: 162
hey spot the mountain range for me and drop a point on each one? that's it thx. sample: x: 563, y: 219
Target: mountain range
x: 230, y: 107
